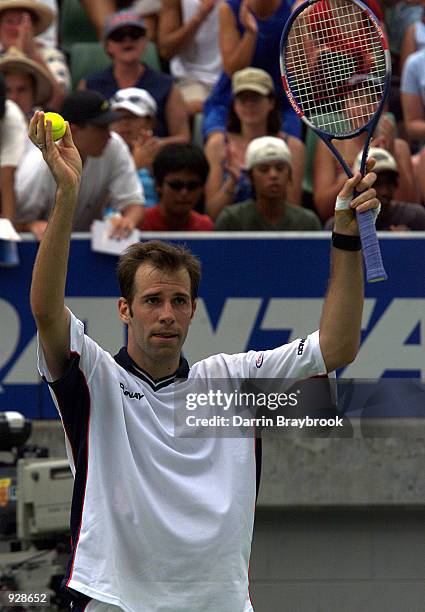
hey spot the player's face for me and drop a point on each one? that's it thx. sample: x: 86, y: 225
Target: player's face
x: 271, y: 179
x: 158, y: 319
x: 20, y: 89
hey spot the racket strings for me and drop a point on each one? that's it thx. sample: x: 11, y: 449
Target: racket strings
x: 335, y: 66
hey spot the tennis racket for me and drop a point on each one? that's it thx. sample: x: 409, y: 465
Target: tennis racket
x: 336, y: 72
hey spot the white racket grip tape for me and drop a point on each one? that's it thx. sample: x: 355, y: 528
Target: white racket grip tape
x: 343, y: 203
x: 371, y: 252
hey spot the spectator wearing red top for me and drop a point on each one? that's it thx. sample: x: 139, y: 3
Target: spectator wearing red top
x: 180, y: 172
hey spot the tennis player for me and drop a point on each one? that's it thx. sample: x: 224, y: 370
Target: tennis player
x: 161, y: 523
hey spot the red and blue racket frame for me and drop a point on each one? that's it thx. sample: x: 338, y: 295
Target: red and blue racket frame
x: 371, y: 252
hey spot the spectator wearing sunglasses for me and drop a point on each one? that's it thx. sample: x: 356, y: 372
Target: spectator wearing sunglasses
x: 125, y: 40
x: 99, y: 10
x: 138, y: 110
x: 180, y: 172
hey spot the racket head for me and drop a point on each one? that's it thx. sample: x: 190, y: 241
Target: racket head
x: 335, y: 67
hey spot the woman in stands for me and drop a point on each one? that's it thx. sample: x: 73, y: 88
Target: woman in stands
x: 125, y: 40
x: 254, y: 112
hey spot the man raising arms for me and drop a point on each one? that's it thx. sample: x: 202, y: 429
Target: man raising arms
x: 158, y: 522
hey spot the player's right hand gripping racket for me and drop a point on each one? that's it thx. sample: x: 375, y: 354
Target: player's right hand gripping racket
x: 336, y: 72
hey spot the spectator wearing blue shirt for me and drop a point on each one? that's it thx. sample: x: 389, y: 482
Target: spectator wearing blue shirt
x: 125, y: 40
x: 250, y: 32
x: 412, y: 90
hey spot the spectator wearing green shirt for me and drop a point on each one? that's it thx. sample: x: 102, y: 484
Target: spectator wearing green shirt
x: 268, y: 162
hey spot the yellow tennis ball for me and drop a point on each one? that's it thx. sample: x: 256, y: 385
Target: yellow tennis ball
x: 58, y: 125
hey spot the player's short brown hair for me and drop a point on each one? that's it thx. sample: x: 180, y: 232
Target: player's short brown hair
x: 162, y: 256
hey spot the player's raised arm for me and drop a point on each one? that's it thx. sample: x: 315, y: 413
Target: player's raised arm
x: 340, y: 325
x: 49, y: 274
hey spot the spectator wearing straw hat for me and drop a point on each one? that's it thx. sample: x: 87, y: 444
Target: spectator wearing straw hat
x: 28, y: 83
x: 20, y: 22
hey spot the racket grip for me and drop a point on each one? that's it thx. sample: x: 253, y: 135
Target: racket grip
x: 370, y: 246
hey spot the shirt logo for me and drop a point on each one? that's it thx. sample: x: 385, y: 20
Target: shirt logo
x: 130, y: 394
x: 301, y: 346
x: 259, y: 360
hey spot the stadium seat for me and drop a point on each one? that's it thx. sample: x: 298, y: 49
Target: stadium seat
x: 89, y: 57
x: 197, y: 138
x: 74, y: 25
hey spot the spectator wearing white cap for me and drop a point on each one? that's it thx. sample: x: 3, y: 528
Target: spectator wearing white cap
x: 21, y: 21
x: 395, y: 216
x: 138, y: 110
x: 269, y: 166
x: 254, y: 112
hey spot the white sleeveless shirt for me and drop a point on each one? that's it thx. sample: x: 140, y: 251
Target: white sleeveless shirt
x: 201, y: 59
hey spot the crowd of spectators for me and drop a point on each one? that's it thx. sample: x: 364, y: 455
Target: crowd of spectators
x: 203, y: 138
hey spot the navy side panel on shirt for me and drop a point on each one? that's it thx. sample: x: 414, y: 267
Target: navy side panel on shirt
x: 73, y: 397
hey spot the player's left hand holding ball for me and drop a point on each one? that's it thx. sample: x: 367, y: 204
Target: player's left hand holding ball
x: 62, y: 158
x: 365, y: 199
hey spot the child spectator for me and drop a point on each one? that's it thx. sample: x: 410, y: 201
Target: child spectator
x: 254, y: 112
x: 268, y: 161
x: 180, y: 172
x: 125, y: 39
x: 138, y: 110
